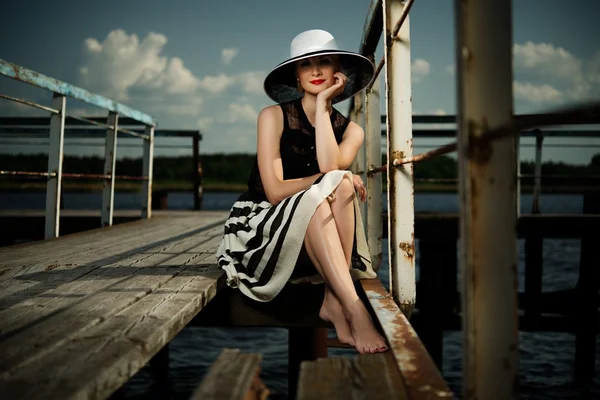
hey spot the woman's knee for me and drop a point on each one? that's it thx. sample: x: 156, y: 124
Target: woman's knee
x: 345, y: 189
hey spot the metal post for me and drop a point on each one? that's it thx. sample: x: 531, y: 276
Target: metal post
x: 487, y: 174
x: 110, y: 158
x: 147, y: 171
x: 517, y: 143
x: 374, y: 182
x: 196, y: 172
x: 361, y: 154
x: 401, y: 240
x: 357, y: 165
x: 537, y: 187
x: 55, y: 160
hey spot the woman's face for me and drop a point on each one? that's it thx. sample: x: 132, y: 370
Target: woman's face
x: 315, y: 74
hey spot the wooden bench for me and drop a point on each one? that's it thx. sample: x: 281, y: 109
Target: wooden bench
x: 369, y: 376
x: 233, y: 376
x: 81, y: 314
x: 406, y: 371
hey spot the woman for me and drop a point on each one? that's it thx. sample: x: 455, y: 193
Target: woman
x: 299, y: 221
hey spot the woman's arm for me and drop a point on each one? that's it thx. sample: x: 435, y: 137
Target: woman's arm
x: 330, y: 155
x: 270, y: 126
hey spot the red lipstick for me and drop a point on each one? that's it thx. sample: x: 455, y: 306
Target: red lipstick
x: 317, y: 81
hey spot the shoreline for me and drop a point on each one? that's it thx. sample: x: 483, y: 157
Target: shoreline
x: 95, y: 187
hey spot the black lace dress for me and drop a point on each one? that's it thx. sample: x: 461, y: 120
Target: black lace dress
x: 262, y: 246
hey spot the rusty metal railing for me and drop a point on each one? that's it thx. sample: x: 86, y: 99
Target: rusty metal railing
x: 489, y: 178
x: 34, y: 132
x: 58, y: 110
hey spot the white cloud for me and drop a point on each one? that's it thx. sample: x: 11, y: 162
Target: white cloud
x: 545, y: 73
x: 216, y: 84
x: 547, y: 59
x: 227, y: 55
x: 204, y: 123
x: 251, y: 82
x: 536, y: 93
x: 241, y: 112
x: 127, y: 69
x: 248, y: 82
x: 420, y: 68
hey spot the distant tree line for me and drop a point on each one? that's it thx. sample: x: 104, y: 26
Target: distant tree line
x: 234, y: 168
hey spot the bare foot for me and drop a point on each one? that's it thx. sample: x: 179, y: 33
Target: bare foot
x: 367, y: 339
x: 332, y: 311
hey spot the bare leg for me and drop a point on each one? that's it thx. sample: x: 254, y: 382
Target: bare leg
x: 343, y: 214
x: 342, y: 209
x: 324, y: 247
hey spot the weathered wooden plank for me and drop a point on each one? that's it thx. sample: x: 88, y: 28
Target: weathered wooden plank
x: 34, y: 261
x: 100, y: 239
x: 367, y: 376
x: 100, y: 253
x: 233, y: 376
x: 422, y: 378
x: 104, y: 294
x: 38, y: 285
x: 94, y: 363
x: 57, y: 289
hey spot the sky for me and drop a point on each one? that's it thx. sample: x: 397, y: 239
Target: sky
x: 201, y: 64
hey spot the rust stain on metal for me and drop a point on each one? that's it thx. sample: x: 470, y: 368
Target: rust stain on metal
x: 480, y: 151
x: 408, y: 248
x: 397, y: 154
x: 422, y: 377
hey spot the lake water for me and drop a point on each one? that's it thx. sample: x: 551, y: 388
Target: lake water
x: 546, y: 359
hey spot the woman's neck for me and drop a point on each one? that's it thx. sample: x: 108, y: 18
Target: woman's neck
x: 309, y: 104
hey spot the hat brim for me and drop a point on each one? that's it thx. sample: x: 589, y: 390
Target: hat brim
x: 281, y: 85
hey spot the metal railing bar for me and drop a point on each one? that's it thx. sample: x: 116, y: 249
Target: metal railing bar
x: 28, y: 173
x: 81, y: 144
x: 92, y: 132
x: 398, y: 25
x: 132, y: 133
x: 373, y: 29
x: 183, y: 146
x: 92, y: 122
x: 44, y: 121
x: 514, y: 127
x: 73, y: 175
x: 34, y: 78
x: 377, y: 71
x: 394, y: 35
x: 29, y: 103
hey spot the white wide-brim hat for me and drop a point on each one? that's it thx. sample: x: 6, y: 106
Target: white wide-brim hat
x: 281, y: 85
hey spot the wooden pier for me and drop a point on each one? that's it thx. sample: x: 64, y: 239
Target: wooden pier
x: 81, y: 314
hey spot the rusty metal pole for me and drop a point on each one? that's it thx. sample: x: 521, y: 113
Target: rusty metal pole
x: 110, y: 159
x: 196, y: 172
x: 488, y: 201
x: 148, y: 161
x: 358, y: 165
x: 537, y: 187
x: 374, y: 181
x: 55, y: 162
x: 401, y: 240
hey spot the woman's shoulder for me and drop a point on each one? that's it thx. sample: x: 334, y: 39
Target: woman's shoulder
x: 271, y: 119
x: 272, y: 112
